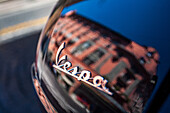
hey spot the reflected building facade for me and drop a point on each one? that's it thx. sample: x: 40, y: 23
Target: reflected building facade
x: 129, y: 67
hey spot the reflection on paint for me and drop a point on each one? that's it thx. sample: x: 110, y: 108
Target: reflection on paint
x: 98, y: 81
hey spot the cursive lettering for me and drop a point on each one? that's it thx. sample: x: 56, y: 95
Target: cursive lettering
x: 63, y: 65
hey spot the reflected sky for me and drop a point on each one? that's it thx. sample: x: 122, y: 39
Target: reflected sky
x: 145, y: 22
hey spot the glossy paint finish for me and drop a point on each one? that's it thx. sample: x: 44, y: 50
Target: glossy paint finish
x: 83, y: 66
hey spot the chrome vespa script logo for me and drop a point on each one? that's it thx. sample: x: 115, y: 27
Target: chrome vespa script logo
x: 98, y: 81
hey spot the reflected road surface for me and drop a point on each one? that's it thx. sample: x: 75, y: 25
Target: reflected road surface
x: 16, y: 90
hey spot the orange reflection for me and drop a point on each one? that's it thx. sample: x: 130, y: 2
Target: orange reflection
x: 128, y: 66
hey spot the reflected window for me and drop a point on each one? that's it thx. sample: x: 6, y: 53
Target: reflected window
x: 94, y: 56
x: 82, y: 47
x: 105, y: 35
x: 88, y: 60
x: 63, y: 31
x: 75, y: 30
x: 95, y: 39
x: 68, y: 35
x: 142, y: 60
x: 108, y: 46
x: 60, y: 34
x: 63, y: 38
x: 116, y: 42
x: 72, y: 41
x: 79, y: 20
x: 85, y: 24
x: 120, y: 83
x: 55, y: 32
x: 150, y: 54
x: 115, y: 58
x: 84, y: 33
x: 93, y: 29
x: 126, y: 77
